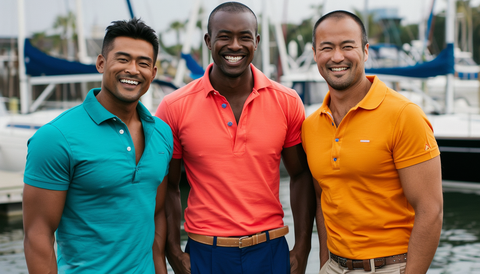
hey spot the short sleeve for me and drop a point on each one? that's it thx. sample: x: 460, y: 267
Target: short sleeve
x: 164, y: 112
x: 414, y: 141
x: 48, y: 160
x: 295, y: 118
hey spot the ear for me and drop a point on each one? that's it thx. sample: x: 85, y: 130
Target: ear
x: 207, y: 41
x: 154, y: 73
x: 365, y: 53
x: 257, y: 40
x: 314, y: 54
x: 100, y: 64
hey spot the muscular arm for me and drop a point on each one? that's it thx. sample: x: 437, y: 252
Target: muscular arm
x: 179, y: 260
x: 160, y: 229
x: 321, y: 230
x: 422, y: 185
x: 42, y: 211
x: 302, y: 200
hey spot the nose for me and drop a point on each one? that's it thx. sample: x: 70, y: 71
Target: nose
x: 131, y: 68
x: 235, y: 44
x: 337, y: 56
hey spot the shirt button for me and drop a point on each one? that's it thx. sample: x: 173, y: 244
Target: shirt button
x: 121, y: 131
x: 230, y: 124
x: 224, y: 105
x: 129, y: 148
x: 332, y: 123
x: 114, y: 119
x: 334, y: 159
x: 336, y: 140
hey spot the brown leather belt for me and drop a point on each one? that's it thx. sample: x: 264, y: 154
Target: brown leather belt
x: 365, y: 264
x: 240, y: 242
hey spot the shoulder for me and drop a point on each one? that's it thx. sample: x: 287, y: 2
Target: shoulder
x: 66, y: 119
x: 191, y: 89
x: 283, y: 90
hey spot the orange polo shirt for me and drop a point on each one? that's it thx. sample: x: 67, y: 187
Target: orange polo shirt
x: 233, y: 170
x: 366, y: 212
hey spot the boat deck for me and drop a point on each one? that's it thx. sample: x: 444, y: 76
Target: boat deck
x: 11, y: 190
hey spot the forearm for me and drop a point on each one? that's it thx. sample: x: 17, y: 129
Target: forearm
x: 159, y: 243
x: 173, y: 209
x: 303, y: 204
x: 40, y: 254
x: 322, y: 235
x: 423, y: 241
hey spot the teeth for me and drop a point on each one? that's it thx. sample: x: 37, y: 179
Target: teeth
x: 339, y: 69
x: 131, y: 82
x: 233, y: 59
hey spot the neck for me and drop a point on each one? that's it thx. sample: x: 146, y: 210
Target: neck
x: 126, y: 111
x: 341, y: 101
x: 231, y: 86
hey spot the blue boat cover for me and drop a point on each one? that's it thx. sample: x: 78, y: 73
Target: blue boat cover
x: 38, y: 63
x: 443, y: 64
x: 196, y: 70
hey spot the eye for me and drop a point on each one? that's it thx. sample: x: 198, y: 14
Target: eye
x: 348, y: 47
x: 122, y: 60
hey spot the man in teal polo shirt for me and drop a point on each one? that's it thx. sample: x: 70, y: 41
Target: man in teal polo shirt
x: 95, y: 174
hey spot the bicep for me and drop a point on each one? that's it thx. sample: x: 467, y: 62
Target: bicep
x: 295, y: 160
x: 42, y: 209
x: 422, y: 183
x: 161, y: 193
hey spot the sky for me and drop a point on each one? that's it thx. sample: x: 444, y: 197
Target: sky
x: 40, y: 14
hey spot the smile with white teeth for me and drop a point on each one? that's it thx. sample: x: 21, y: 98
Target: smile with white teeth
x: 233, y: 59
x: 131, y: 82
x: 338, y: 69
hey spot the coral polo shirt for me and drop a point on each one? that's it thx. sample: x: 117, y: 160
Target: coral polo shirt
x: 366, y: 212
x: 233, y: 170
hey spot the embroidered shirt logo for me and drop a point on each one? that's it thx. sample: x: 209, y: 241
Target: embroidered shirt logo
x: 427, y: 147
x: 364, y: 141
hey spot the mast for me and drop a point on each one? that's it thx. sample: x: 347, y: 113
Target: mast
x: 186, y: 48
x: 449, y: 39
x: 265, y: 40
x: 22, y: 74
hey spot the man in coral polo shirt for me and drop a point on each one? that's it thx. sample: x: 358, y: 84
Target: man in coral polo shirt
x: 374, y: 160
x: 231, y: 128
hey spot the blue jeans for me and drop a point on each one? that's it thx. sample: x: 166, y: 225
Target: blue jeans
x: 268, y: 257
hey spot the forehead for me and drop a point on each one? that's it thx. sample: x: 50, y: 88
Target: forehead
x: 335, y: 28
x: 234, y: 20
x: 131, y: 46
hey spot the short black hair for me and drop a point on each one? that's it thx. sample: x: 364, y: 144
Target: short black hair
x: 339, y: 14
x: 134, y: 28
x: 231, y: 7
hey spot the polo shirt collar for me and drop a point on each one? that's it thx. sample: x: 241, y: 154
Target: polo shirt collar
x: 260, y: 81
x: 99, y: 114
x: 372, y: 100
x: 375, y: 95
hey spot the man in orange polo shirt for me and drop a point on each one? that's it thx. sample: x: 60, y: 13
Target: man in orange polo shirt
x: 231, y: 128
x: 374, y: 160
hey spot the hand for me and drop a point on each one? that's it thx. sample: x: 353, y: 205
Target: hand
x: 180, y: 263
x: 298, y: 261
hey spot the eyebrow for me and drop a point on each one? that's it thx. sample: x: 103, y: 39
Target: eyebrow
x: 229, y: 31
x: 118, y: 53
x: 342, y: 43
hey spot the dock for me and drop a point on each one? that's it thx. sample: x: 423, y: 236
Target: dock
x: 11, y: 191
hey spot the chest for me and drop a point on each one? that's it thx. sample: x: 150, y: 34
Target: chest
x: 107, y: 164
x: 210, y: 128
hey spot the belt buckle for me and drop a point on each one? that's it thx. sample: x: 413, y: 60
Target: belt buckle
x: 342, y: 262
x: 240, y: 245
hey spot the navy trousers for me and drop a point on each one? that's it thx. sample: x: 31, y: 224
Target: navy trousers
x: 270, y: 257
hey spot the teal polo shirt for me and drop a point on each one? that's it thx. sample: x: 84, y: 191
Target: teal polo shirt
x: 107, y: 225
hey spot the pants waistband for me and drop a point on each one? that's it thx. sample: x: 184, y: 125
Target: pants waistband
x: 240, y: 242
x: 367, y: 264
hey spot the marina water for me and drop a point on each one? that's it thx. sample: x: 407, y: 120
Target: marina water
x: 458, y: 251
